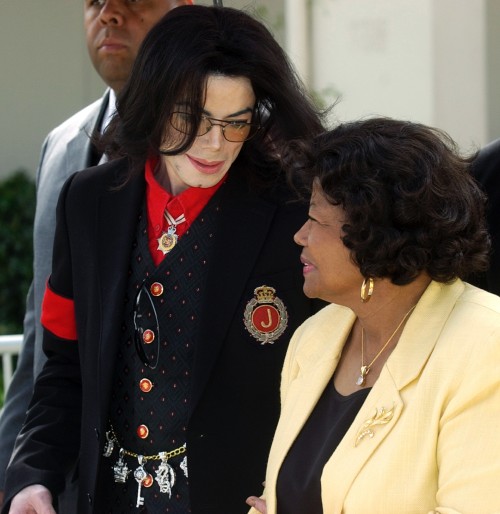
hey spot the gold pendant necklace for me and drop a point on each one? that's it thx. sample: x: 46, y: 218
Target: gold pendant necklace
x: 168, y: 239
x: 366, y: 369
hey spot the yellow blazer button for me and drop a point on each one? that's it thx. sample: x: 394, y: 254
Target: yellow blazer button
x: 142, y: 431
x: 148, y: 336
x: 156, y: 289
x: 145, y: 385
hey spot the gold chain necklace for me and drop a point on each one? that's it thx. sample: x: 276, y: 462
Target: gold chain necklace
x: 366, y: 369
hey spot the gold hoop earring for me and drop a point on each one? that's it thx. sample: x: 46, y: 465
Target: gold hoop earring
x: 366, y: 289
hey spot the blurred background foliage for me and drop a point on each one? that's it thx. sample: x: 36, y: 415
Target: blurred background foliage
x: 17, y: 210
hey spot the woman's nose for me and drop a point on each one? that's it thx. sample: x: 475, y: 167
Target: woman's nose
x: 300, y: 235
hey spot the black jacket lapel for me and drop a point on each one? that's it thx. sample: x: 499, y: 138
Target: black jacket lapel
x: 232, y: 264
x: 117, y: 217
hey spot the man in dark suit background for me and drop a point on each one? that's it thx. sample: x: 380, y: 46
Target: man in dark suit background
x: 486, y: 169
x: 114, y: 31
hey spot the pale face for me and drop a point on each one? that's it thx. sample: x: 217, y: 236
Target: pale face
x: 209, y: 158
x: 115, y: 30
x: 328, y: 271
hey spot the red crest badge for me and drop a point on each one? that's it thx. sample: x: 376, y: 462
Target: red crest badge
x: 265, y: 315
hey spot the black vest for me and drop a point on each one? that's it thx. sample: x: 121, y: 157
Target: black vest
x: 150, y: 402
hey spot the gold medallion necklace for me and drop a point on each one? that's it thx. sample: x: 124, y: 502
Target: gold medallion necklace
x: 366, y: 369
x: 168, y: 239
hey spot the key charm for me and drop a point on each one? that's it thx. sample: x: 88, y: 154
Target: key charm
x: 139, y: 475
x: 120, y: 469
x: 165, y: 475
x: 108, y: 447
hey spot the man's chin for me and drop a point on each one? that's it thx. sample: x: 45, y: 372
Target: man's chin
x: 112, y: 73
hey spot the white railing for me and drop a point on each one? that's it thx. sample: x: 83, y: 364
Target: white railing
x: 9, y: 347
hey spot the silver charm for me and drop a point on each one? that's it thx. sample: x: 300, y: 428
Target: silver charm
x: 139, y: 475
x: 165, y: 475
x: 120, y: 469
x: 184, y: 466
x: 110, y: 444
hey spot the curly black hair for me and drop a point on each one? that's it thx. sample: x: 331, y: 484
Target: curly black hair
x: 411, y: 202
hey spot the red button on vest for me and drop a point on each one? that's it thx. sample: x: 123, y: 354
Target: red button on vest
x: 148, y: 481
x: 148, y: 336
x: 156, y: 289
x: 142, y: 431
x: 145, y: 385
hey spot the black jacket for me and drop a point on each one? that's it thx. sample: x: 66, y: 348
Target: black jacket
x: 486, y: 169
x: 235, y: 380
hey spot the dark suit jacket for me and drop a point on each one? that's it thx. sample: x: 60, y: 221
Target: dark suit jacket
x: 65, y: 150
x: 486, y: 169
x: 235, y: 395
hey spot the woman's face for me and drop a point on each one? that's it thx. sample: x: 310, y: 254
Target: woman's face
x: 329, y: 273
x: 209, y: 158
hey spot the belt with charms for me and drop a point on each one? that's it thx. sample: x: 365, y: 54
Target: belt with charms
x: 165, y: 473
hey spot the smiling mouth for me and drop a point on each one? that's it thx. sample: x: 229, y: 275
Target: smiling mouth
x: 208, y: 167
x: 306, y: 265
x: 304, y: 261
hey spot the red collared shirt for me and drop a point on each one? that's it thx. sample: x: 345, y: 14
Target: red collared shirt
x: 190, y: 203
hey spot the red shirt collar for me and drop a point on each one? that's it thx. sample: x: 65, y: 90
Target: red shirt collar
x: 190, y: 202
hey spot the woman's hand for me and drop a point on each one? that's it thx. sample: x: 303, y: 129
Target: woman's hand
x: 34, y: 499
x: 257, y: 503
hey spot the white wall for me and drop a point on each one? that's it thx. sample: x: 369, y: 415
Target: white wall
x: 460, y: 70
x: 372, y: 56
x: 492, y: 59
x: 423, y: 60
x: 46, y: 75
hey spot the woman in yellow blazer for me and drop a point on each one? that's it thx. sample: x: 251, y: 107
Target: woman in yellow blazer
x: 391, y: 394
